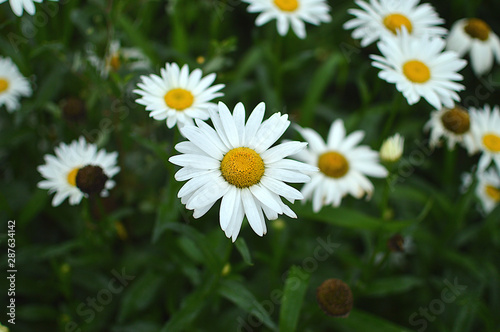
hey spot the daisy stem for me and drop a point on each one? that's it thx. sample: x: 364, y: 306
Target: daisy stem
x: 278, y: 69
x: 450, y: 159
x: 396, y: 107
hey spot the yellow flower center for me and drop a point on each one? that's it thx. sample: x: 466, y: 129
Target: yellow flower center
x: 242, y: 167
x: 493, y: 193
x: 478, y: 29
x: 394, y: 22
x: 287, y: 5
x: 333, y: 164
x: 179, y: 99
x: 115, y: 61
x: 416, y: 71
x: 4, y: 84
x: 492, y: 142
x: 456, y: 120
x: 72, y: 176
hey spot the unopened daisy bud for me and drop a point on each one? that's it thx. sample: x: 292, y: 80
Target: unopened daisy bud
x: 3, y: 328
x: 91, y: 179
x: 335, y: 298
x: 226, y: 269
x: 73, y: 109
x: 396, y: 243
x: 392, y: 148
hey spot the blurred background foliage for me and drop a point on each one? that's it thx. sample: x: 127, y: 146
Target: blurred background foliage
x: 184, y: 274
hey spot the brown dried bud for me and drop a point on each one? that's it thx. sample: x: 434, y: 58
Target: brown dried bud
x: 335, y: 298
x: 74, y: 109
x: 91, y: 179
x: 396, y: 243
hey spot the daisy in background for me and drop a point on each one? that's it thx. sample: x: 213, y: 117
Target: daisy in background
x: 290, y: 12
x: 235, y: 161
x: 177, y: 95
x: 381, y: 18
x: 78, y: 170
x: 419, y: 68
x: 486, y: 133
x: 454, y: 125
x: 488, y: 189
x: 18, y: 6
x: 476, y: 37
x: 116, y: 57
x: 13, y: 85
x: 343, y: 166
x: 392, y: 148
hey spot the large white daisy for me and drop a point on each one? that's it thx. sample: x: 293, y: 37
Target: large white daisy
x: 178, y: 96
x: 454, y: 125
x: 235, y: 161
x: 28, y: 5
x: 486, y: 132
x: 13, y: 85
x: 290, y: 12
x: 78, y: 170
x: 343, y: 166
x: 381, y: 18
x: 488, y: 189
x: 475, y: 36
x: 419, y: 68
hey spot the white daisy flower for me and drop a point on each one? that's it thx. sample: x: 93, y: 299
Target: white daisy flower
x: 78, y: 170
x: 454, y: 125
x: 290, y: 12
x: 488, y: 189
x: 419, y: 68
x: 342, y: 164
x: 234, y: 161
x: 381, y: 18
x: 178, y: 96
x: 475, y: 36
x: 13, y: 85
x: 28, y: 5
x: 392, y: 148
x: 486, y: 133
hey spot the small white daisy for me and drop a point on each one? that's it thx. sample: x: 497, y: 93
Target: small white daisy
x: 28, y: 5
x: 178, y: 96
x: 13, y: 85
x: 235, y: 161
x: 454, y: 125
x: 475, y: 36
x: 381, y: 18
x: 419, y: 68
x: 488, y: 189
x: 290, y: 12
x: 78, y: 170
x: 342, y: 164
x: 392, y: 148
x: 486, y: 133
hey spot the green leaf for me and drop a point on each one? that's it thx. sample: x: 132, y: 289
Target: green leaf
x: 182, y: 319
x: 348, y: 218
x: 391, y: 285
x: 235, y: 292
x: 168, y: 211
x: 362, y: 321
x: 140, y: 294
x: 242, y: 248
x: 293, y: 296
x: 36, y: 203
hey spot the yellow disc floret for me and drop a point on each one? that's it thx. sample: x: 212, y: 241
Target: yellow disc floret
x: 242, y: 167
x: 287, y: 5
x: 72, y: 176
x: 478, y: 29
x: 333, y: 164
x: 493, y: 193
x: 416, y: 71
x: 394, y: 22
x: 179, y: 99
x: 492, y: 142
x: 4, y: 84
